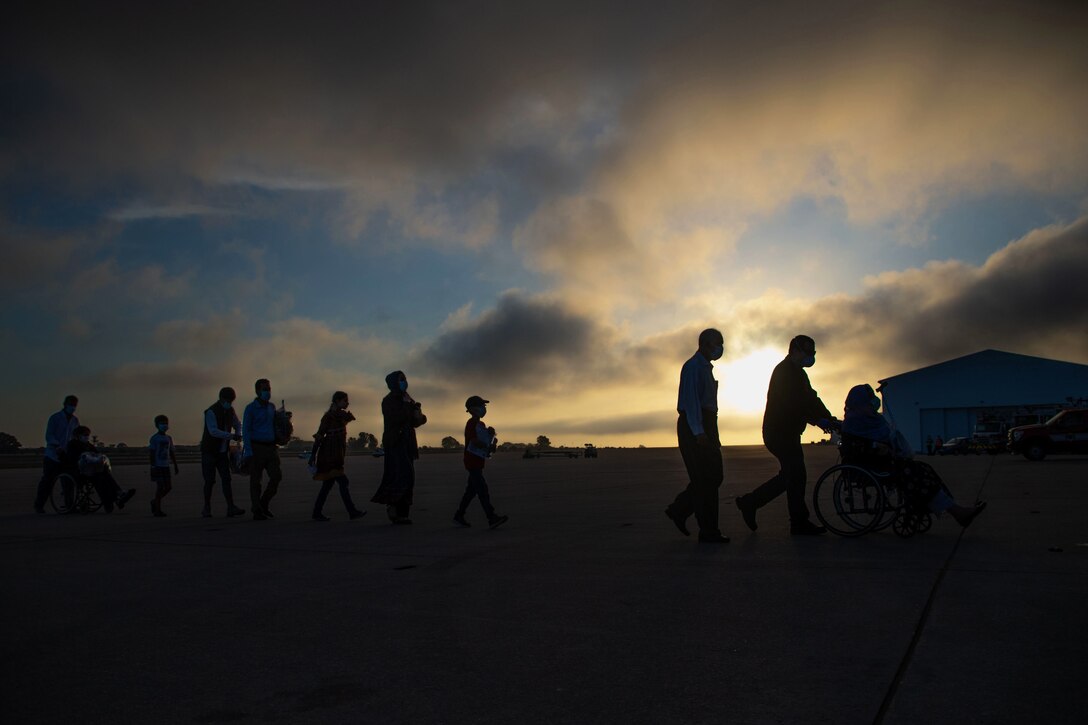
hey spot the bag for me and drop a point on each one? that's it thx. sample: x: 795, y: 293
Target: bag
x: 281, y: 426
x: 92, y: 463
x: 238, y: 464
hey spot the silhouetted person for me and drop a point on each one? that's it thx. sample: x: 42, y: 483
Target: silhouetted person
x: 82, y: 458
x: 700, y: 446
x: 402, y: 416
x: 162, y: 455
x: 938, y: 444
x: 863, y: 420
x: 221, y: 426
x: 929, y: 445
x: 58, y: 431
x: 480, y: 443
x: 259, y: 449
x: 791, y: 405
x: 328, y: 454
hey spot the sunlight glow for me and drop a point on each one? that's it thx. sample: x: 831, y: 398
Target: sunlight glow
x: 742, y: 383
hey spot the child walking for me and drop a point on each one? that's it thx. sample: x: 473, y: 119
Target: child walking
x: 161, y: 448
x: 480, y: 443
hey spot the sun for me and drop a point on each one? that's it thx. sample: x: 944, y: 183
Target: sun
x: 742, y: 383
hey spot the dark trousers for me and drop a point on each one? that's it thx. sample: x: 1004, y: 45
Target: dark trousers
x: 791, y: 477
x: 705, y: 474
x: 477, y: 487
x: 50, y: 470
x: 265, y: 458
x: 345, y: 494
x: 209, y: 466
x: 106, y: 486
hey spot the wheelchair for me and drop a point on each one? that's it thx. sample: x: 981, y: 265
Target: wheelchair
x: 865, y: 492
x: 74, y: 491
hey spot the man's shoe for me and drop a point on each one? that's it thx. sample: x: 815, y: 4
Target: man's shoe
x: 713, y: 539
x: 806, y: 528
x: 747, y: 512
x: 356, y: 514
x: 402, y: 520
x: 259, y: 515
x: 680, y: 524
x: 206, y: 512
x: 160, y: 513
x: 233, y: 510
x: 320, y: 517
x: 39, y: 510
x: 459, y: 519
x: 391, y: 512
x: 268, y: 514
x: 496, y: 521
x: 125, y: 497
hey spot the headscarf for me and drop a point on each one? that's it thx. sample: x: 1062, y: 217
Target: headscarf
x: 861, y: 418
x: 392, y: 380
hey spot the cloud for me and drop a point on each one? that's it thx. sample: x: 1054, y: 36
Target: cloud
x: 523, y: 341
x: 180, y: 375
x: 627, y: 130
x: 1028, y: 297
x: 140, y: 211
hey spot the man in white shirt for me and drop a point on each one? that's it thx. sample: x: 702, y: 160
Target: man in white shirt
x: 700, y: 447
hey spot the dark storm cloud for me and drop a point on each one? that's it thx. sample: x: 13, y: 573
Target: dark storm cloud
x: 522, y: 342
x: 1029, y: 297
x: 347, y: 88
x: 180, y: 375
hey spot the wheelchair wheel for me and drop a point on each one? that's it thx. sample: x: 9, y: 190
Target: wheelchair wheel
x: 908, y: 523
x: 61, y: 503
x: 893, y: 501
x: 848, y: 500
x: 87, y: 500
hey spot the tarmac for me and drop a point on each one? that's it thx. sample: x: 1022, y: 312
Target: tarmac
x: 587, y: 607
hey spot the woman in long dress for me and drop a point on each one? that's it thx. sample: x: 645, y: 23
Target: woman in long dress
x: 402, y: 416
x: 327, y: 458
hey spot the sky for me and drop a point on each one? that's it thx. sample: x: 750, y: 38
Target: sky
x: 539, y: 203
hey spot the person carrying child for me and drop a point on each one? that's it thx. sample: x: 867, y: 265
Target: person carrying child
x: 480, y: 443
x: 161, y: 449
x: 328, y: 453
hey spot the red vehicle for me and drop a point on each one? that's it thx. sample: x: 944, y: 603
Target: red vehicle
x: 1067, y: 432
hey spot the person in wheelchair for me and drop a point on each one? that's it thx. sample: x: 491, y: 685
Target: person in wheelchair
x: 83, y: 459
x: 869, y: 439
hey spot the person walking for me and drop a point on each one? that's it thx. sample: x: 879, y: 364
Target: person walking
x: 161, y: 455
x: 58, y: 431
x: 328, y: 454
x: 480, y: 443
x: 402, y: 416
x: 792, y: 404
x: 259, y: 449
x: 221, y: 426
x: 700, y: 446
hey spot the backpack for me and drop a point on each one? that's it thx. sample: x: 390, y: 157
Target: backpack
x: 281, y: 426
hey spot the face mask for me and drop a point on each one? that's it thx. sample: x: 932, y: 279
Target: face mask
x: 809, y: 361
x: 70, y: 409
x: 226, y: 404
x: 163, y: 427
x: 717, y: 352
x: 403, y: 385
x: 264, y: 394
x: 876, y: 404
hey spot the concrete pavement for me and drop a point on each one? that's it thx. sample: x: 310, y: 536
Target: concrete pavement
x: 587, y: 607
